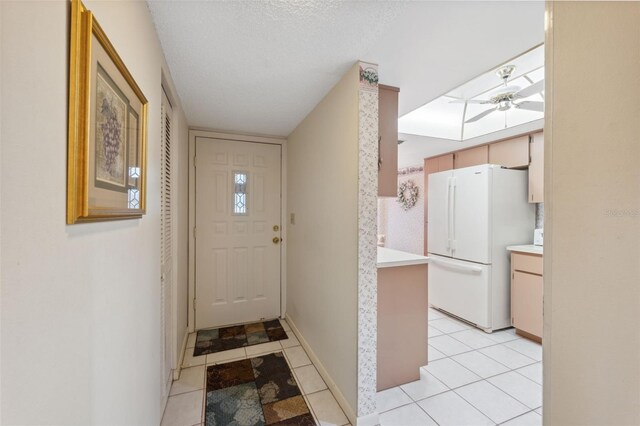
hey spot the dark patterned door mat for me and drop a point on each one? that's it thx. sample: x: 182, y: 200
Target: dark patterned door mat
x: 237, y: 336
x: 254, y: 392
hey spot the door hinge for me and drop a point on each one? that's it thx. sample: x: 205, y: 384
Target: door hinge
x: 195, y: 162
x: 194, y: 232
x: 194, y: 304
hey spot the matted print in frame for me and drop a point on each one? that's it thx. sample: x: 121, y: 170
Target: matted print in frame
x: 106, y: 176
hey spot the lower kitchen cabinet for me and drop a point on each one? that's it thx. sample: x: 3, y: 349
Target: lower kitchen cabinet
x: 526, y: 294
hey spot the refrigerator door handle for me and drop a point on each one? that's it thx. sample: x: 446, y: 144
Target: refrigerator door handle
x: 457, y: 266
x: 452, y: 233
x: 448, y: 214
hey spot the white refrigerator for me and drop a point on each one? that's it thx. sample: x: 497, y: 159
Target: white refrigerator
x: 473, y: 215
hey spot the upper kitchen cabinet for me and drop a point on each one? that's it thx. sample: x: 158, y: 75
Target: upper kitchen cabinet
x: 536, y: 168
x: 445, y: 162
x: 387, y: 141
x: 511, y: 153
x: 471, y: 157
x: 438, y: 164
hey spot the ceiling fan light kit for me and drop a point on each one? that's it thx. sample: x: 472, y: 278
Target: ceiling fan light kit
x: 515, y: 88
x: 504, y: 99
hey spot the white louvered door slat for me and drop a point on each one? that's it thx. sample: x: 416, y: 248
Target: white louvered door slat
x: 166, y: 245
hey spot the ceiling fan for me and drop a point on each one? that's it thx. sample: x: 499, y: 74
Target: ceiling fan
x: 506, y: 97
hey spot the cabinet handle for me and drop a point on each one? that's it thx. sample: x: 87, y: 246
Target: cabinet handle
x: 379, y: 155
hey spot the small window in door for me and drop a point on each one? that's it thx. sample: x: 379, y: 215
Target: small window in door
x: 240, y: 181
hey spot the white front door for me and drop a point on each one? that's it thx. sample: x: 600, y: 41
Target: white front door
x: 238, y: 192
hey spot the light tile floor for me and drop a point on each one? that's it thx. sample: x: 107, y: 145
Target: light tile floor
x: 473, y: 378
x: 185, y: 406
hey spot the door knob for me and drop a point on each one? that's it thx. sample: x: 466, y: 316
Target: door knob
x: 276, y: 240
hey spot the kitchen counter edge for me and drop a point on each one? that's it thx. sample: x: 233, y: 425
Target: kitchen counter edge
x: 389, y: 258
x: 529, y: 248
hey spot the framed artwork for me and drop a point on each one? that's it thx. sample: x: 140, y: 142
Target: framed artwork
x: 107, y: 147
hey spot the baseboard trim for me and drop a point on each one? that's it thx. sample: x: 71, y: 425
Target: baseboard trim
x: 178, y: 370
x: 346, y: 407
x: 372, y: 419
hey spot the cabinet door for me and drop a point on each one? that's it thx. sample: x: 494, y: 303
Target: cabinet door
x: 511, y: 153
x: 526, y: 302
x: 445, y: 162
x: 536, y: 168
x: 388, y: 141
x: 471, y: 157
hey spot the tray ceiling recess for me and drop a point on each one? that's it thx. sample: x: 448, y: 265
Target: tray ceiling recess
x: 510, y: 95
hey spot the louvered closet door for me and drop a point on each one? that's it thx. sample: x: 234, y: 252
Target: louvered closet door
x: 237, y: 232
x: 166, y: 244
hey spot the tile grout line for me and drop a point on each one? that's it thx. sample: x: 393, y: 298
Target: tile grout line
x: 509, y: 369
x: 479, y: 349
x: 528, y: 378
x: 425, y: 411
x: 519, y: 415
x: 327, y: 389
x: 481, y: 378
x: 513, y: 396
x: 486, y: 415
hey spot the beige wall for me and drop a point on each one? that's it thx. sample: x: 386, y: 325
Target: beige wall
x: 81, y: 303
x: 592, y: 203
x: 322, y: 247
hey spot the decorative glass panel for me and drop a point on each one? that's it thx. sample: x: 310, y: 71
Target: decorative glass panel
x: 239, y: 193
x: 134, y: 198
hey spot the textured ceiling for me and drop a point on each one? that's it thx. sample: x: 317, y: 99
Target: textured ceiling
x: 261, y: 66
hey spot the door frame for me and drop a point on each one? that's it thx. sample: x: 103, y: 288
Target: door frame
x: 195, y: 134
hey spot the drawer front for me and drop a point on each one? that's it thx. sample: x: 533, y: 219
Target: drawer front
x: 531, y: 263
x: 461, y: 288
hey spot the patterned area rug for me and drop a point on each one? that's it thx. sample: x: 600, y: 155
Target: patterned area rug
x: 255, y: 391
x: 238, y: 336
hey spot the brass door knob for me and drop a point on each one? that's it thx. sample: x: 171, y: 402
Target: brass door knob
x: 276, y: 240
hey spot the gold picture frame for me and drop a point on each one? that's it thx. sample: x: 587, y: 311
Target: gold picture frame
x: 107, y: 146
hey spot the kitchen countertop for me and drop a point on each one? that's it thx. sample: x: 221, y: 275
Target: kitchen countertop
x: 388, y: 258
x: 530, y: 248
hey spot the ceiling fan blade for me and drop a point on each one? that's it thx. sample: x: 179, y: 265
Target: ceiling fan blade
x: 531, y: 106
x: 531, y: 90
x: 481, y: 115
x: 470, y: 101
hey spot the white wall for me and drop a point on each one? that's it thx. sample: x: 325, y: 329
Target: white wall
x: 81, y: 303
x: 404, y: 230
x: 322, y: 247
x: 592, y: 214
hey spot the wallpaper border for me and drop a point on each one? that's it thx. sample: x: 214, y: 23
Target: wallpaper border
x: 367, y: 243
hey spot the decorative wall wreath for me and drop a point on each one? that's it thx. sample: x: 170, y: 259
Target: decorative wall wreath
x: 407, y: 194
